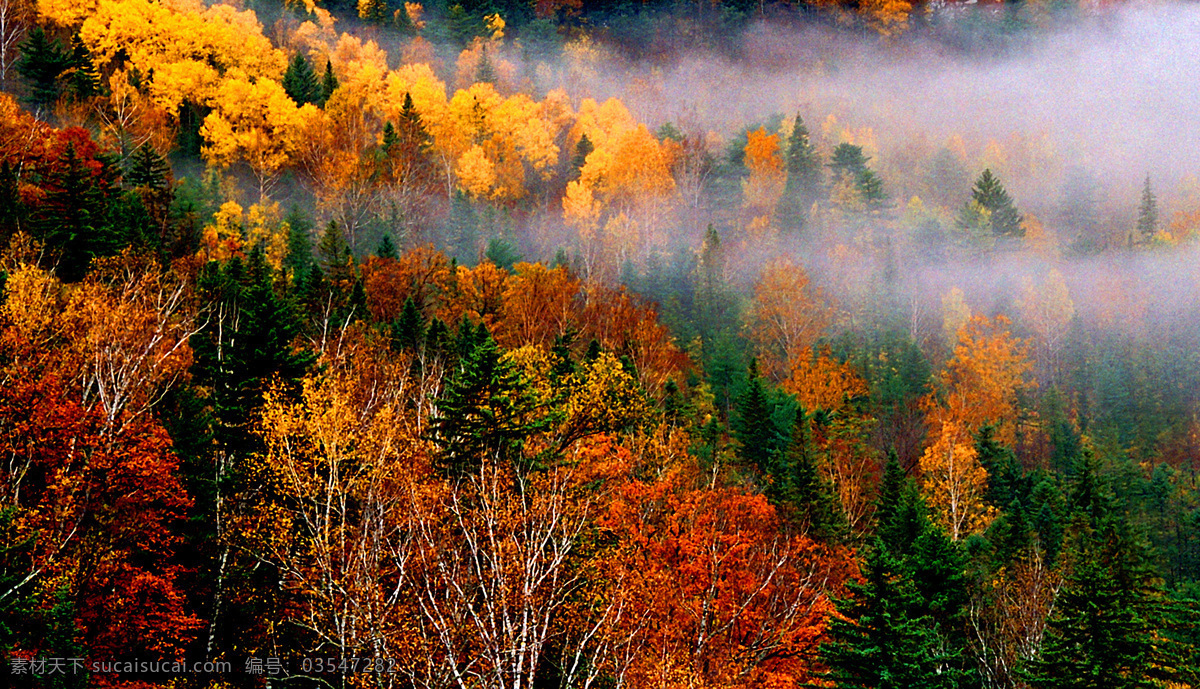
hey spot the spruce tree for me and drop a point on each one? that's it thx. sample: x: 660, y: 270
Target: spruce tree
x: 147, y: 169
x: 386, y: 248
x: 992, y: 208
x: 299, y: 246
x: 329, y: 84
x: 42, y: 61
x: 409, y: 328
x: 753, y: 427
x: 300, y: 82
x: 1147, y: 222
x: 877, y: 640
x: 72, y: 218
x: 484, y: 415
x: 803, y: 166
x: 333, y: 252
x: 870, y: 188
x: 583, y: 149
x: 801, y: 486
x: 847, y: 162
x: 83, y: 79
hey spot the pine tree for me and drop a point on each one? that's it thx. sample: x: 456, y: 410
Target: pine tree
x: 1107, y: 630
x: 803, y: 166
x: 991, y: 207
x: 753, y: 427
x: 147, y: 169
x: 84, y: 79
x: 329, y: 84
x: 386, y: 248
x: 390, y: 138
x: 485, y: 71
x: 583, y: 149
x: 847, y: 162
x: 877, y: 641
x: 300, y: 82
x: 409, y: 327
x: 484, y: 415
x: 42, y: 61
x: 72, y: 217
x: 804, y: 489
x: 1147, y: 222
x: 870, y: 188
x: 299, y: 246
x: 333, y: 252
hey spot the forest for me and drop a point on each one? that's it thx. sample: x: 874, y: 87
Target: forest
x: 511, y: 344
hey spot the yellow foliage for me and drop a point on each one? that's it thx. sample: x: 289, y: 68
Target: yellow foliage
x: 182, y: 49
x: 476, y: 174
x: 66, y: 13
x: 255, y: 122
x: 223, y: 238
x: 495, y: 23
x: 954, y: 483
x: 888, y: 17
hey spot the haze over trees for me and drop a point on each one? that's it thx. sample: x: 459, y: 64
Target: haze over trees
x: 569, y: 344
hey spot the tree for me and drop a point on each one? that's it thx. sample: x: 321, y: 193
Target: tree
x: 1108, y: 626
x: 1147, y: 222
x: 956, y: 484
x: 300, y: 81
x: 991, y: 209
x: 42, y: 61
x: 789, y: 315
x: 755, y: 431
x: 373, y: 11
x: 803, y: 166
x: 329, y: 84
x: 485, y: 415
x: 15, y: 17
x: 879, y: 639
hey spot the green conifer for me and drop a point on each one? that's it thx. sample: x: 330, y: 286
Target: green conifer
x: 300, y: 82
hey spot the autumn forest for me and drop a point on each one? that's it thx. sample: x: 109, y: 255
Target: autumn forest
x: 519, y: 344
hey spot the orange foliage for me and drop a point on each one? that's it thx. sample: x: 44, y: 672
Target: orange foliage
x: 981, y: 382
x: 789, y: 315
x: 765, y: 185
x: 724, y: 598
x: 619, y: 323
x: 540, y: 303
x: 420, y: 274
x: 476, y: 293
x: 821, y: 382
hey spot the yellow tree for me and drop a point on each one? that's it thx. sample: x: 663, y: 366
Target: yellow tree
x: 954, y: 483
x: 788, y: 316
x: 981, y: 382
x: 1048, y: 310
x: 181, y: 50
x: 255, y: 122
x: 979, y: 386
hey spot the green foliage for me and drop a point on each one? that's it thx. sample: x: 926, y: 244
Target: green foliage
x: 300, y: 82
x: 755, y: 431
x: 42, y: 61
x: 329, y: 84
x: 803, y: 166
x: 486, y: 413
x: 880, y: 639
x: 1147, y: 222
x: 991, y: 209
